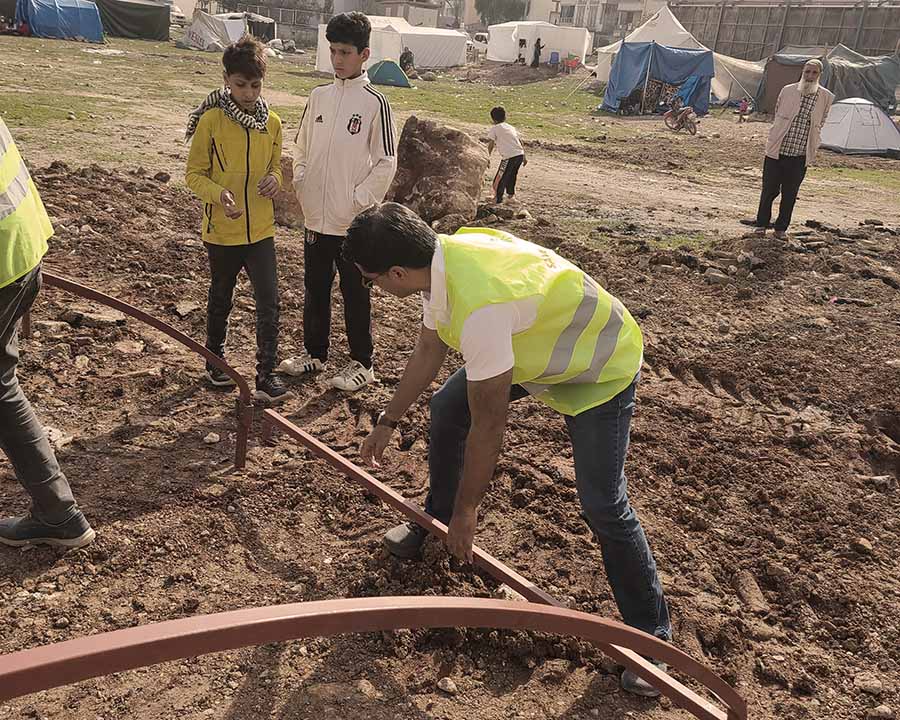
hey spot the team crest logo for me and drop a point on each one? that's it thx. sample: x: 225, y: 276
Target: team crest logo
x: 355, y: 124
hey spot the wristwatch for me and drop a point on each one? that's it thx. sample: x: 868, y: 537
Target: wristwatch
x: 386, y: 421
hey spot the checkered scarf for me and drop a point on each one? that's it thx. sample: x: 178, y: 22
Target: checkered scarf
x: 221, y: 98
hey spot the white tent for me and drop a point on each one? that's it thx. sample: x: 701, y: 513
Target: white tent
x: 859, y: 127
x: 503, y: 42
x: 213, y: 32
x: 431, y: 47
x: 734, y: 78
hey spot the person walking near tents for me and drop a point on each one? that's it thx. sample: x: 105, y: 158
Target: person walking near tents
x: 55, y: 518
x: 794, y: 138
x: 344, y: 162
x: 536, y: 57
x: 527, y: 322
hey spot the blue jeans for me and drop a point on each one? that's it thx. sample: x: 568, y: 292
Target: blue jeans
x: 599, y: 443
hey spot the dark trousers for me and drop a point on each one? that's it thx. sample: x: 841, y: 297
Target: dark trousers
x: 22, y: 436
x: 599, y: 442
x: 321, y: 260
x: 506, y: 176
x: 225, y: 263
x: 783, y: 176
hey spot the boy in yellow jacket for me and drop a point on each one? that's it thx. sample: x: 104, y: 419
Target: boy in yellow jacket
x: 234, y: 167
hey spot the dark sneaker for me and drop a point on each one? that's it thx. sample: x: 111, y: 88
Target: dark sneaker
x: 631, y: 682
x: 405, y: 541
x: 18, y: 531
x: 271, y: 389
x: 218, y: 378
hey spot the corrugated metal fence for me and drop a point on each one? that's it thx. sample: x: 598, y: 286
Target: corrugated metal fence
x: 756, y: 30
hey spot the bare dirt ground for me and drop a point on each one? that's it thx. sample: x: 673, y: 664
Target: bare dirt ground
x: 766, y: 445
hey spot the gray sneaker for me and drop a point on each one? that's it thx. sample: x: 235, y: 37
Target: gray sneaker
x: 405, y: 541
x: 636, y: 685
x: 27, y: 530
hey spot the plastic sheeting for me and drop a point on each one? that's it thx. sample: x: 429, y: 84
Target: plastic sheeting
x: 845, y: 72
x: 637, y: 62
x: 860, y: 76
x: 61, y: 19
x: 503, y: 41
x: 431, y: 47
x: 213, y: 32
x: 859, y: 127
x: 139, y: 19
x: 733, y: 80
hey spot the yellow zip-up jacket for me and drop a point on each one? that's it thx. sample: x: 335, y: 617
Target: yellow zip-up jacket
x: 226, y: 156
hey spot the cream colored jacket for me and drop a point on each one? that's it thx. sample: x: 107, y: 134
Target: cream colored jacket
x: 786, y: 109
x: 345, y: 155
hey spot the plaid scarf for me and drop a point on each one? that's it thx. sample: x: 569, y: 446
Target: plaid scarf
x: 222, y: 99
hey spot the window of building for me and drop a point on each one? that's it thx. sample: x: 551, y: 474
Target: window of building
x: 566, y: 14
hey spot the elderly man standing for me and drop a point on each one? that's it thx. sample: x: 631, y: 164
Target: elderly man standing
x: 800, y: 113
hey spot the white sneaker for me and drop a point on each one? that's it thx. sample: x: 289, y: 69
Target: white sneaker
x: 301, y: 365
x: 354, y: 376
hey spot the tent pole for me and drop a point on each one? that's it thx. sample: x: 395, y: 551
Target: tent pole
x: 647, y: 79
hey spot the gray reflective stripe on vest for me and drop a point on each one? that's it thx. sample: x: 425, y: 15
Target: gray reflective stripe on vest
x: 561, y: 357
x: 603, y: 351
x: 6, y: 140
x: 12, y: 197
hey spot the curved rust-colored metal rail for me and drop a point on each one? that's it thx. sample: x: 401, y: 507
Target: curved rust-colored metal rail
x: 72, y: 661
x: 245, y: 399
x: 629, y: 656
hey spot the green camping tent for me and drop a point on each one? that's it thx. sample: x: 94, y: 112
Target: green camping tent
x: 387, y: 72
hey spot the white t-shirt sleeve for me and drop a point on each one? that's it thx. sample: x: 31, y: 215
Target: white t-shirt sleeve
x: 486, y: 341
x: 492, y: 133
x: 428, y: 315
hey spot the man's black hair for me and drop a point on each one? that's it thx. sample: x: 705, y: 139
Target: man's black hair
x: 387, y: 235
x: 498, y: 114
x: 352, y: 28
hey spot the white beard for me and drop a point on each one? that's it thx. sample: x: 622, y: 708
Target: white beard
x: 809, y: 88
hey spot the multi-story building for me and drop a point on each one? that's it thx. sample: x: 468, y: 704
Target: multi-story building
x: 609, y: 20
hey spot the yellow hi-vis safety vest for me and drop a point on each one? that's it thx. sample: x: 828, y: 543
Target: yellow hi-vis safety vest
x: 24, y: 224
x: 584, y: 347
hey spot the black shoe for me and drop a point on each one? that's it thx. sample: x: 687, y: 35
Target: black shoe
x: 405, y: 541
x: 27, y: 530
x: 219, y: 378
x: 271, y: 389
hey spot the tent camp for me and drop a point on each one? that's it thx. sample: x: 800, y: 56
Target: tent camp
x: 140, y: 19
x: 645, y: 75
x: 733, y: 80
x: 503, y: 41
x: 260, y: 26
x: 387, y: 72
x: 859, y: 127
x: 213, y: 32
x: 431, y: 47
x: 845, y: 72
x: 61, y: 19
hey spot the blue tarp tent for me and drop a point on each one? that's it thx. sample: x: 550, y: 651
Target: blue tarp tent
x: 62, y: 19
x: 638, y: 64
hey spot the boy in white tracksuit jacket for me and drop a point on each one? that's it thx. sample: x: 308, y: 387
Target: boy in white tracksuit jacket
x: 344, y: 162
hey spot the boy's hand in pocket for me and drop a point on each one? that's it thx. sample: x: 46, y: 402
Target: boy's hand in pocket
x: 268, y: 186
x: 231, y: 210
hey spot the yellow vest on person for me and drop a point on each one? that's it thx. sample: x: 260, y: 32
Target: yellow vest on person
x: 24, y: 223
x: 584, y: 347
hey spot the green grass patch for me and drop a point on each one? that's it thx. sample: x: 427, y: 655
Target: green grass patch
x: 884, y: 179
